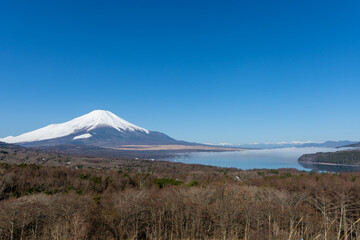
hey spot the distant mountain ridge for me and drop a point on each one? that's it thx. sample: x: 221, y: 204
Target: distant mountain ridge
x: 98, y: 128
x: 327, y: 144
x: 355, y: 145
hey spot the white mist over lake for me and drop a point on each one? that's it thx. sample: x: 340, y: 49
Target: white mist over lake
x: 250, y: 159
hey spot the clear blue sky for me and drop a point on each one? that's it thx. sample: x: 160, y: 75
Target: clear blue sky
x: 204, y: 71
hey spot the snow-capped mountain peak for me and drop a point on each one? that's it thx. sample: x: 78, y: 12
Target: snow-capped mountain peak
x: 98, y: 118
x: 87, y: 122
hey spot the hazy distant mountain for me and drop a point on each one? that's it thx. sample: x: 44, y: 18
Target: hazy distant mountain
x: 355, y: 145
x: 98, y: 128
x: 331, y: 144
x: 328, y: 144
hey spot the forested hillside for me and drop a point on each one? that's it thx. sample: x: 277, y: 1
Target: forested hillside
x: 340, y: 157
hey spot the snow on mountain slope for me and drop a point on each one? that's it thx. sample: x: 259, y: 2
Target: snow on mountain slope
x: 82, y: 136
x: 90, y: 121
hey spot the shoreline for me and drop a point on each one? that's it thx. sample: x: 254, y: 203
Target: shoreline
x: 329, y: 164
x: 175, y: 148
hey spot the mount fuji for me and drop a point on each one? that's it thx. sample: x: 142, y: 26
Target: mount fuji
x: 98, y: 128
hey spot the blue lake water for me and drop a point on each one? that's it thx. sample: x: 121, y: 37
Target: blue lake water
x: 250, y: 159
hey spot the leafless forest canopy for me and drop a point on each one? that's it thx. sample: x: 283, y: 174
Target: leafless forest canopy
x: 93, y: 198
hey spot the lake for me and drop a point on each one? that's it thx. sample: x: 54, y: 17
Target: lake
x: 250, y: 159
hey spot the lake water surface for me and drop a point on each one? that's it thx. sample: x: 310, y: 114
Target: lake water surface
x: 250, y: 159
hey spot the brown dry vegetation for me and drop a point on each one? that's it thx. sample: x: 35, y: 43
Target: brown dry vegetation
x: 174, y: 202
x: 138, y: 199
